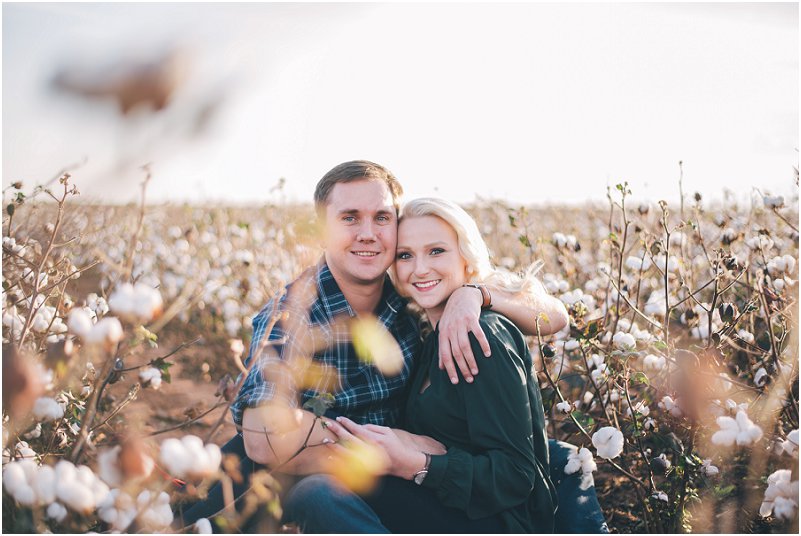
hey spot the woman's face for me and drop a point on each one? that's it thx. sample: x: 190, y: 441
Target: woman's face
x: 428, y: 263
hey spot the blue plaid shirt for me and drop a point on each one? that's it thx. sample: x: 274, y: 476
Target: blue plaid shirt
x: 312, y: 323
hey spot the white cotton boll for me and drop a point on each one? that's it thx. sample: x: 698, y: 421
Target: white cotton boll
x: 784, y: 508
x: 580, y: 460
x: 155, y: 513
x: 700, y: 332
x: 587, y: 398
x: 172, y: 455
x: 57, y: 512
x: 708, y: 469
x: 624, y: 341
x: 739, y: 430
x: 790, y: 445
x: 76, y: 496
x: 649, y: 424
x: 608, y: 442
x: 203, y: 526
x: 559, y: 240
x: 671, y: 406
x: 640, y: 407
x: 233, y: 326
x: 564, y: 407
x: 760, y: 377
x: 231, y: 308
x: 47, y: 409
x: 595, y: 361
x: 97, y: 304
x: 107, y: 330
x: 660, y: 496
x: 40, y: 323
x: 23, y: 450
x: 727, y: 433
x: 151, y: 377
x: 79, y: 322
x: 45, y: 485
x: 35, y: 432
x: 781, y: 495
x: 667, y: 263
x: 762, y: 242
x: 676, y: 239
x: 749, y: 432
x: 598, y: 375
x: 58, y: 327
x: 147, y: 302
x: 745, y: 335
x: 637, y: 263
x: 121, y: 301
x: 773, y: 201
x: 107, y: 466
x: 572, y: 344
x: 654, y: 362
x: 17, y: 479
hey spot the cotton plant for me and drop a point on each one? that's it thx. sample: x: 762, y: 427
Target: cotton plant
x: 739, y: 430
x: 188, y: 457
x: 781, y: 496
x: 608, y: 442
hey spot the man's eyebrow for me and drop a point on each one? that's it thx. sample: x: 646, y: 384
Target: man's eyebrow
x: 382, y: 211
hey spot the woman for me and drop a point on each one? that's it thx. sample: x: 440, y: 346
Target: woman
x: 494, y: 476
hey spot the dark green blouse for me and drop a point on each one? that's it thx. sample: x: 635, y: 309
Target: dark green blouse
x: 494, y: 429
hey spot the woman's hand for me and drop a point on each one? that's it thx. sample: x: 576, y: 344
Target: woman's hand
x: 404, y: 459
x: 420, y: 442
x: 459, y: 319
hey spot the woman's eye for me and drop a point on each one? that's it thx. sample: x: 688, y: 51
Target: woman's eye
x: 402, y: 256
x: 437, y: 251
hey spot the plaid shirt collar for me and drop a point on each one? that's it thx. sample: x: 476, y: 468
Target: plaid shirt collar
x: 334, y: 303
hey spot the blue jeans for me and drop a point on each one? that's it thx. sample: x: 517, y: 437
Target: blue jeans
x: 319, y: 505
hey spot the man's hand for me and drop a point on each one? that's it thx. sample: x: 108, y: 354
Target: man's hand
x: 459, y: 319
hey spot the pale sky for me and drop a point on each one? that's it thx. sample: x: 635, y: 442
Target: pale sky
x: 526, y: 102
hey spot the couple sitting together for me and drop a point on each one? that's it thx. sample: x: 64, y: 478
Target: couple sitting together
x: 465, y: 452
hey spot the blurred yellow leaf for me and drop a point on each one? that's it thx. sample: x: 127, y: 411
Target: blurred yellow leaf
x: 374, y: 344
x: 360, y: 466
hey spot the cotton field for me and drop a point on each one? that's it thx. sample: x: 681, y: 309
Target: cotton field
x: 677, y: 377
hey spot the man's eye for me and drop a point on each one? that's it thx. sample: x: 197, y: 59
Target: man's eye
x: 349, y: 219
x: 403, y: 255
x: 384, y: 219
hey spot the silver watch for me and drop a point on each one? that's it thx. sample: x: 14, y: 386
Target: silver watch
x: 420, y: 476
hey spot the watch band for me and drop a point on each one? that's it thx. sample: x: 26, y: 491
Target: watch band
x: 421, y: 475
x: 486, y: 297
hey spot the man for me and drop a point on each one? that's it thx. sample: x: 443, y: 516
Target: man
x: 358, y: 202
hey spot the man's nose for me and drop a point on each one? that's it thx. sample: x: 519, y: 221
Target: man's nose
x: 366, y: 231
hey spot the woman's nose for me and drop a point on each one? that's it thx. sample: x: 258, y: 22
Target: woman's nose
x: 420, y: 267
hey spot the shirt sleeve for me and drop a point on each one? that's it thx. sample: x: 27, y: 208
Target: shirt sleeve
x: 273, y: 345
x: 500, y: 470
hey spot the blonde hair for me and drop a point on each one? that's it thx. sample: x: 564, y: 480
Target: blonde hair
x: 472, y: 247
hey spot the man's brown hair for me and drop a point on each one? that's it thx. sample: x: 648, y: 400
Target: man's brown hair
x: 355, y: 170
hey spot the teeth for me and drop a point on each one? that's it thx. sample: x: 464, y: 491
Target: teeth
x: 427, y: 284
x: 365, y: 253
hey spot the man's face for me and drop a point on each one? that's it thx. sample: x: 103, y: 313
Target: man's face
x: 361, y: 231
